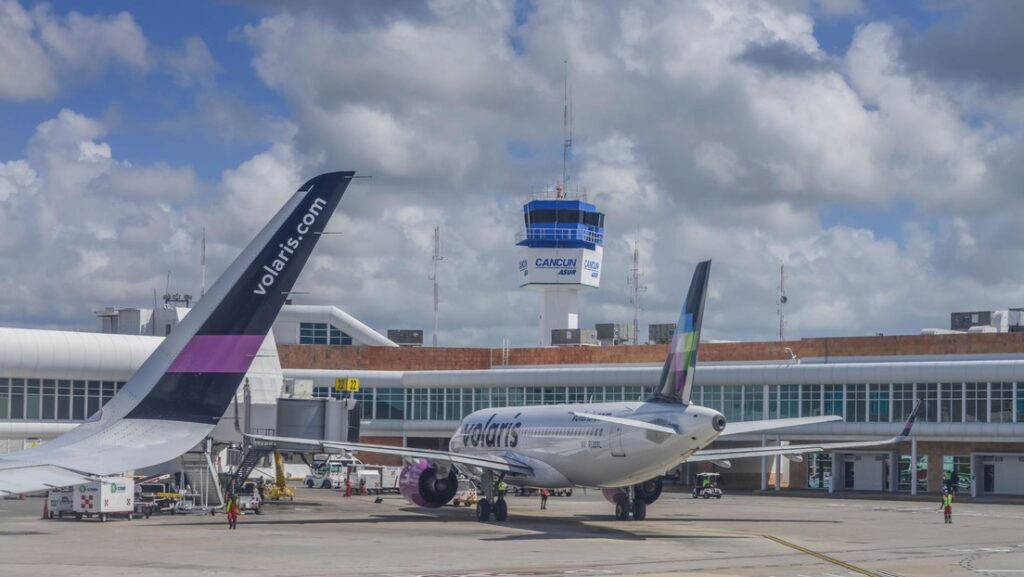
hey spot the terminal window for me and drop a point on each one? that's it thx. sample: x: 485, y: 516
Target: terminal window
x: 322, y: 334
x: 52, y: 400
x: 904, y: 474
x: 819, y: 470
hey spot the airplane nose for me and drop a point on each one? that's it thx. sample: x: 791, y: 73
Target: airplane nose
x: 718, y: 422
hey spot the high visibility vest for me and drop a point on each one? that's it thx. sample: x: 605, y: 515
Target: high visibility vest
x: 947, y: 500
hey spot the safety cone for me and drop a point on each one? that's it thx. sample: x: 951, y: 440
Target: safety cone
x: 46, y: 508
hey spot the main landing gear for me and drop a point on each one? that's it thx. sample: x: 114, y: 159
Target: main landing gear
x: 490, y: 504
x: 628, y: 506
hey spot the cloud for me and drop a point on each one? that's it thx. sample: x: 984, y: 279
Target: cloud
x: 712, y: 129
x: 39, y: 50
x: 74, y: 215
x: 972, y: 42
x: 784, y: 58
x: 193, y: 64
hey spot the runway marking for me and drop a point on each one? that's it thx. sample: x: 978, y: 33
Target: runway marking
x: 821, y: 556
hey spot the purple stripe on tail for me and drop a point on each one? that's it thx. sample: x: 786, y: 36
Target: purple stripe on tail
x: 217, y: 354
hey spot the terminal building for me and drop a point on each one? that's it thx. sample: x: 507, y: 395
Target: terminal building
x: 971, y: 432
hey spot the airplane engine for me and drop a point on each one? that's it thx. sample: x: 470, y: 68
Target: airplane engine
x: 648, y: 492
x: 422, y: 484
x: 613, y: 496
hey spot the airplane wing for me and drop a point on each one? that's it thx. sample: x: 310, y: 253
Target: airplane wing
x: 748, y: 452
x: 496, y: 462
x: 183, y: 389
x: 773, y: 424
x: 25, y: 479
x: 627, y: 422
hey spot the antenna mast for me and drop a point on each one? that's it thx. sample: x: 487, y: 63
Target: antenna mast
x: 566, y: 132
x: 783, y: 299
x: 202, y: 287
x: 636, y: 276
x: 436, y: 259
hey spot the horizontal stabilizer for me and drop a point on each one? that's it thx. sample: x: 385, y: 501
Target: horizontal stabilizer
x: 744, y: 427
x: 627, y: 422
x: 791, y: 451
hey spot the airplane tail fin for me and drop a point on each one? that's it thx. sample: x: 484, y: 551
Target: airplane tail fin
x: 676, y: 382
x: 194, y: 373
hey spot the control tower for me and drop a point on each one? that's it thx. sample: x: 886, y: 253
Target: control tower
x: 563, y: 244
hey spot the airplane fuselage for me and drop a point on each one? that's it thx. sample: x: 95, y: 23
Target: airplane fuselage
x: 565, y: 450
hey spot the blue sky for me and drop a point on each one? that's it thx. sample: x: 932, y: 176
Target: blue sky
x: 873, y: 153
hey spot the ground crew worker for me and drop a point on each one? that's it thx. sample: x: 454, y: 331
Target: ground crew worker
x: 232, y: 510
x: 947, y: 505
x: 348, y: 487
x: 502, y: 489
x: 362, y: 486
x: 544, y: 498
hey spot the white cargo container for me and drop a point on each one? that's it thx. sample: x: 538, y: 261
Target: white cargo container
x: 59, y: 502
x: 113, y: 496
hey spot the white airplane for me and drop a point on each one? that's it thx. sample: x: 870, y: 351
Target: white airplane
x: 174, y: 400
x: 622, y: 448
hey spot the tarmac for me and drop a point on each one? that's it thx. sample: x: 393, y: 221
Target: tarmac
x: 322, y: 533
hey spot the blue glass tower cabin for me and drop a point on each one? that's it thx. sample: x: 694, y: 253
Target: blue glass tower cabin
x: 562, y: 223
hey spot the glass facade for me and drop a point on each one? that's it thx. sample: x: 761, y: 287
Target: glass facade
x: 956, y: 472
x: 322, y: 334
x: 875, y: 403
x: 53, y: 400
x: 819, y: 470
x: 904, y: 475
x: 31, y: 399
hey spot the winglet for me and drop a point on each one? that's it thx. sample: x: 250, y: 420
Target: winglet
x: 677, y: 376
x: 910, y: 420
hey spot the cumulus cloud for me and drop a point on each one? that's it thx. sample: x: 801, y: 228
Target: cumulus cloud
x: 74, y: 215
x: 39, y: 50
x: 708, y: 129
x: 712, y: 129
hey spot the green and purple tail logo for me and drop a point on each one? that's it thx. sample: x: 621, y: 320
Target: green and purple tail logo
x: 677, y: 375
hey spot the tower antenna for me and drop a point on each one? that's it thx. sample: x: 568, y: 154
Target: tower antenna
x: 436, y: 259
x: 202, y: 287
x: 783, y: 299
x: 636, y: 276
x: 566, y: 131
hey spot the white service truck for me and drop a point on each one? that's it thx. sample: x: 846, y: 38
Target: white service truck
x: 379, y: 478
x: 59, y: 502
x: 330, y: 473
x: 109, y: 497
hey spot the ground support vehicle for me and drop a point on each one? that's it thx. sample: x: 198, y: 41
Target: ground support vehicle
x: 107, y: 498
x: 530, y: 491
x: 186, y: 503
x: 156, y: 499
x: 467, y: 494
x: 59, y: 502
x: 280, y: 488
x: 249, y: 499
x: 709, y: 489
x: 330, y: 473
x: 389, y: 479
